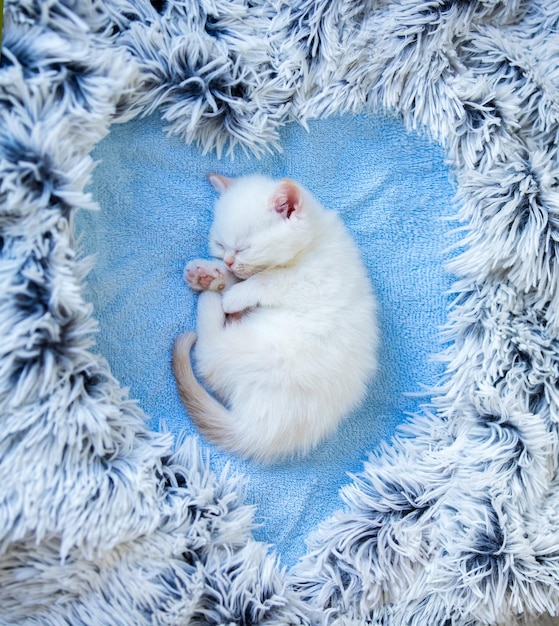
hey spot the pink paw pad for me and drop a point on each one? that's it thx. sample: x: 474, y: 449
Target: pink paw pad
x: 203, y: 275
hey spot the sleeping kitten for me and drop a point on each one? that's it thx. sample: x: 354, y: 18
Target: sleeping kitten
x: 286, y: 325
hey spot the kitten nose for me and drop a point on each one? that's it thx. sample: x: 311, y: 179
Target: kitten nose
x: 229, y: 259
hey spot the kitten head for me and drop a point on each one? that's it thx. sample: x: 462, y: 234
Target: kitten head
x: 259, y: 223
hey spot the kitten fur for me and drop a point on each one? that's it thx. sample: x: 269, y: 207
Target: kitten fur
x: 286, y: 322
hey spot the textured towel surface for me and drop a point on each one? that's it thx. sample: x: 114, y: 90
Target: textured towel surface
x: 393, y: 191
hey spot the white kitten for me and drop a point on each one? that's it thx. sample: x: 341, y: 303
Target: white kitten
x: 287, y: 333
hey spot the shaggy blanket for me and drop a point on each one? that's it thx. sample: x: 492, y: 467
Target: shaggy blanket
x: 106, y: 521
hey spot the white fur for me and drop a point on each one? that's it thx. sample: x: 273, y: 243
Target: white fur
x: 295, y: 353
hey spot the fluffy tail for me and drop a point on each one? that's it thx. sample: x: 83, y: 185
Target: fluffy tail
x: 212, y: 418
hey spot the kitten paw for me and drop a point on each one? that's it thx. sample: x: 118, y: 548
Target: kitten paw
x: 205, y: 275
x: 238, y: 299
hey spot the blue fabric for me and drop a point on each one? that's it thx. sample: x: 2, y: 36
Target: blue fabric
x: 392, y: 189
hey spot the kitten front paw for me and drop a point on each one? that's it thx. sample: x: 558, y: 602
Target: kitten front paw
x: 206, y: 275
x: 237, y: 299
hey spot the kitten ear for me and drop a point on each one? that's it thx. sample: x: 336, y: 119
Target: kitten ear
x: 220, y: 183
x: 287, y: 199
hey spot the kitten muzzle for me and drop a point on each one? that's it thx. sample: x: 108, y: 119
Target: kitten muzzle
x: 243, y: 272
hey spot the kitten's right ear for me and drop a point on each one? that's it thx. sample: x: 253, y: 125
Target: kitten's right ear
x: 287, y: 200
x: 220, y: 183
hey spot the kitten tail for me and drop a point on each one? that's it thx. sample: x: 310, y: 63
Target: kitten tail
x: 210, y: 417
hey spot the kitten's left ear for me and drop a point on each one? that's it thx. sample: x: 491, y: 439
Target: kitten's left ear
x: 220, y: 183
x: 287, y: 199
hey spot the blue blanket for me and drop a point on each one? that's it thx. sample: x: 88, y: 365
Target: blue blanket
x: 391, y: 188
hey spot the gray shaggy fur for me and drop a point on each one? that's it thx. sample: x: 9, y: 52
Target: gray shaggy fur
x: 457, y: 522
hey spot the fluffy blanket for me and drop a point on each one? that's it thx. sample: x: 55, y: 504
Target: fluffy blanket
x: 103, y: 519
